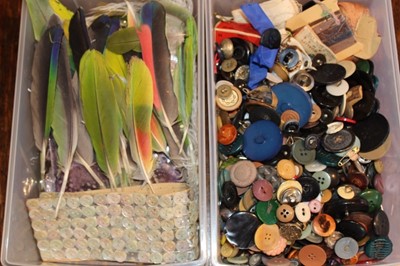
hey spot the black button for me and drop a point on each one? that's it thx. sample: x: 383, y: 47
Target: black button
x: 229, y: 195
x: 339, y: 208
x: 327, y: 158
x: 271, y: 38
x: 361, y: 78
x: 381, y: 224
x: 329, y: 73
x: 339, y: 141
x: 241, y: 51
x: 318, y: 129
x: 372, y: 132
x: 310, y: 186
x: 318, y: 60
x: 365, y: 107
x: 327, y: 116
x: 262, y: 112
x: 240, y: 229
x: 311, y: 142
x: 351, y: 229
x: 324, y: 99
x: 284, y: 153
x: 358, y: 179
x: 335, y: 176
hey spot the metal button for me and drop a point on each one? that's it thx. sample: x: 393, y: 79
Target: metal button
x: 304, y: 80
x: 331, y: 240
x: 226, y: 47
x: 290, y: 231
x: 229, y: 98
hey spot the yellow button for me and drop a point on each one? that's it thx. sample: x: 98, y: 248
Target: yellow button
x: 228, y: 250
x: 266, y: 237
x: 346, y: 192
x: 248, y: 199
x: 286, y: 169
x: 326, y: 195
x: 289, y: 184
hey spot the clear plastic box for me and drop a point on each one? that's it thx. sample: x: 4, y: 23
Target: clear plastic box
x: 386, y: 68
x: 18, y: 245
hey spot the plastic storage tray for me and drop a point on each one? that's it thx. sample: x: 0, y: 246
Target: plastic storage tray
x: 386, y: 68
x: 18, y: 245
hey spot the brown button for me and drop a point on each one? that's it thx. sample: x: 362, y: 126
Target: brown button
x: 290, y: 115
x: 285, y: 213
x: 315, y: 113
x: 312, y: 255
x: 324, y: 225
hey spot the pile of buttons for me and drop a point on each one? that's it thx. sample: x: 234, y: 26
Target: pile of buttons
x: 300, y: 142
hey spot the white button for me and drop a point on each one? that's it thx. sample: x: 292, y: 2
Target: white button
x: 92, y: 231
x: 303, y: 212
x: 94, y: 243
x: 71, y: 253
x: 126, y: 199
x: 113, y: 198
x: 73, y: 202
x: 139, y: 199
x: 338, y: 89
x: 334, y: 127
x: 315, y: 166
x: 86, y: 200
x: 100, y: 199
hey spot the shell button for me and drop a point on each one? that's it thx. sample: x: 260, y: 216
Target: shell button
x: 346, y: 248
x: 285, y: 213
x: 262, y: 141
x: 243, y: 173
x: 302, y: 211
x: 240, y: 229
x: 312, y: 255
x: 323, y: 179
x: 262, y: 190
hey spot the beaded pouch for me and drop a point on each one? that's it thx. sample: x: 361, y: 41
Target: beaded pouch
x: 131, y: 224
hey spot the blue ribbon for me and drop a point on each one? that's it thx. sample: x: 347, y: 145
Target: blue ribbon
x: 263, y: 58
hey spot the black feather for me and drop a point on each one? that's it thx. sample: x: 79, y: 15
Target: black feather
x: 79, y: 40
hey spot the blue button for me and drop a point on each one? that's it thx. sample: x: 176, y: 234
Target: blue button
x: 262, y: 140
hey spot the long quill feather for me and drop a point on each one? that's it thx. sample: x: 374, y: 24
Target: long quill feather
x: 65, y: 123
x: 141, y: 108
x: 79, y: 40
x: 100, y: 112
x: 39, y: 12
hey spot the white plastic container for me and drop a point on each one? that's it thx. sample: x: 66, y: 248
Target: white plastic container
x: 18, y: 244
x: 386, y: 69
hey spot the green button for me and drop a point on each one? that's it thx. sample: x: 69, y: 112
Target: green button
x: 323, y: 179
x: 222, y: 178
x: 374, y: 198
x: 233, y: 148
x: 301, y: 154
x: 364, y: 65
x: 266, y: 211
x: 327, y: 158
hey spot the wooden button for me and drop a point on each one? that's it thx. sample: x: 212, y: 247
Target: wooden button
x: 326, y: 195
x: 266, y: 237
x: 285, y: 213
x: 315, y: 113
x: 312, y: 255
x: 324, y: 225
x: 286, y: 169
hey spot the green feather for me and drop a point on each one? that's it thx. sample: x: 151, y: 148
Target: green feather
x: 123, y: 41
x: 100, y: 112
x: 39, y: 13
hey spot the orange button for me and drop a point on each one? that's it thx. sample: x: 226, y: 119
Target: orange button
x: 315, y: 114
x: 267, y: 237
x: 324, y: 225
x: 285, y: 213
x: 227, y: 134
x: 312, y: 255
x: 326, y: 195
x: 286, y: 169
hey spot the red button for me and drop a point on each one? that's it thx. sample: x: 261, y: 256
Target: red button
x: 263, y: 190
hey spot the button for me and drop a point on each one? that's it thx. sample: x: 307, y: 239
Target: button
x: 311, y: 142
x: 315, y: 114
x: 338, y: 89
x: 278, y: 249
x: 255, y: 260
x: 285, y: 213
x: 301, y: 154
x: 315, y: 166
x: 240, y: 229
x: 312, y: 255
x: 378, y: 165
x: 315, y: 206
x: 350, y: 67
x: 271, y: 38
x: 228, y: 97
x: 314, y: 238
x: 381, y: 223
x: 365, y: 107
x: 262, y: 141
x: 346, y: 192
x: 278, y: 261
x: 286, y: 169
x: 339, y: 141
x: 290, y: 231
x: 262, y: 190
x: 229, y: 65
x: 302, y: 211
x: 266, y: 211
x: 270, y: 174
x: 233, y: 148
x: 226, y: 47
x: 304, y: 80
x: 280, y: 71
x: 326, y: 195
x: 324, y: 99
x: 229, y: 195
x: 334, y: 127
x: 324, y: 225
x: 323, y: 179
x: 291, y: 96
x: 318, y: 60
x: 290, y: 121
x: 243, y: 173
x: 346, y: 248
x: 335, y: 176
x: 352, y: 229
x: 241, y: 76
x: 378, y: 248
x: 366, y: 66
x: 248, y: 200
x: 228, y: 250
x: 311, y: 188
x: 227, y: 134
x: 239, y: 260
x: 358, y: 179
x: 266, y: 237
x: 289, y: 58
x: 331, y: 240
x: 258, y: 112
x: 329, y: 73
x: 374, y: 198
